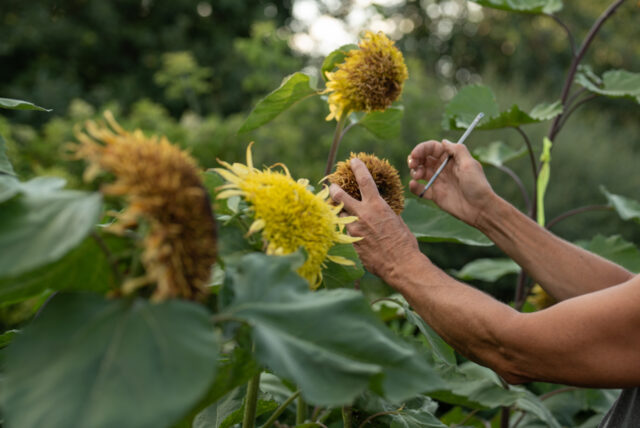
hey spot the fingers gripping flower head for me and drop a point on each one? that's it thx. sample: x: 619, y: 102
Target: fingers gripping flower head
x: 370, y: 78
x: 163, y: 187
x: 288, y: 214
x: 385, y: 176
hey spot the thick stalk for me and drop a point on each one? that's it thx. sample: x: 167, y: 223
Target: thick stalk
x: 337, y: 137
x: 276, y: 414
x: 347, y: 413
x: 301, y: 411
x: 555, y: 128
x: 250, y: 402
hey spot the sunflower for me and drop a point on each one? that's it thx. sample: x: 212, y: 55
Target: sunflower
x: 370, y: 78
x: 540, y: 299
x: 162, y: 186
x: 288, y: 214
x: 384, y: 174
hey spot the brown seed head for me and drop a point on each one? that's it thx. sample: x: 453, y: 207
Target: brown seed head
x: 384, y: 174
x: 163, y: 186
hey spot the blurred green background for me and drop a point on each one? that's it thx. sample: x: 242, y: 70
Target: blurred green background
x: 193, y: 69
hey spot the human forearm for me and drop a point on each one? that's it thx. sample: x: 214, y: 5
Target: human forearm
x: 563, y: 269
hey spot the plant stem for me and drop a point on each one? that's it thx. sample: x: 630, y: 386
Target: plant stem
x: 532, y: 155
x: 301, y: 411
x: 375, y: 415
x: 504, y: 417
x: 113, y: 262
x: 575, y: 211
x: 337, y: 137
x: 572, y: 41
x: 276, y: 414
x: 578, y: 58
x: 523, y: 190
x: 250, y: 402
x: 574, y: 108
x: 347, y: 413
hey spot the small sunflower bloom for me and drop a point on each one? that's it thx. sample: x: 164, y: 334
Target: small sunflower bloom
x: 370, y: 79
x: 540, y: 299
x: 288, y: 214
x: 384, y: 174
x: 162, y: 186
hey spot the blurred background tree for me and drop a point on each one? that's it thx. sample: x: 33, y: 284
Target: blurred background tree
x: 192, y: 69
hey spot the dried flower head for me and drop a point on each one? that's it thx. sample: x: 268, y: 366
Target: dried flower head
x: 288, y: 214
x: 370, y: 78
x: 163, y: 187
x: 384, y: 174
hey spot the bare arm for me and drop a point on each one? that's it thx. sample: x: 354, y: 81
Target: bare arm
x: 562, y: 269
x: 591, y: 340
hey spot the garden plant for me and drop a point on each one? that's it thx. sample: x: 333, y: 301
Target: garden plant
x: 178, y: 296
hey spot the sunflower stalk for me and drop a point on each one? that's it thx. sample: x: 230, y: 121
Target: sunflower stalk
x: 301, y: 411
x: 251, y: 402
x: 337, y: 137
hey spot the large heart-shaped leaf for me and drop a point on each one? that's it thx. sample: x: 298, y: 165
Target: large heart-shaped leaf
x: 335, y: 275
x: 525, y: 6
x: 430, y: 224
x: 498, y: 153
x: 43, y: 224
x: 328, y: 342
x: 474, y: 99
x: 91, y: 362
x: 5, y: 164
x: 384, y: 124
x: 487, y: 269
x: 12, y: 104
x: 294, y: 88
x: 334, y: 58
x: 627, y: 208
x: 616, y: 249
x: 614, y: 83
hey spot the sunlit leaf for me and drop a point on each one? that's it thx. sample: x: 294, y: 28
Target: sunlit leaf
x: 87, y: 361
x: 384, y: 124
x: 487, y: 269
x: 328, y: 342
x: 498, y: 153
x: 614, y: 83
x: 430, y: 224
x: 627, y: 208
x: 294, y: 88
x: 525, y: 6
x: 616, y: 249
x: 546, y: 111
x: 334, y: 58
x: 10, y: 103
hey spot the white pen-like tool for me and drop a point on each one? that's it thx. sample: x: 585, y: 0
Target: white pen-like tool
x: 460, y: 141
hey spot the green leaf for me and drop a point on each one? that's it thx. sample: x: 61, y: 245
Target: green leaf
x: 229, y: 411
x: 543, y: 178
x: 5, y: 164
x: 335, y: 275
x: 91, y: 362
x: 524, y: 6
x: 418, y: 412
x: 294, y: 88
x: 41, y: 226
x: 334, y: 58
x: 85, y: 267
x: 473, y: 99
x: 10, y: 103
x: 7, y: 337
x: 9, y: 187
x: 430, y: 224
x: 616, y: 249
x: 384, y: 124
x: 614, y: 83
x: 439, y: 346
x: 627, y: 209
x: 328, y: 342
x: 489, y: 270
x: 498, y: 153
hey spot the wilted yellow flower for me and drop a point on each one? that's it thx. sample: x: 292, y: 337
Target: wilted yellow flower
x: 163, y: 187
x: 289, y: 215
x: 539, y: 298
x: 384, y: 174
x: 370, y: 78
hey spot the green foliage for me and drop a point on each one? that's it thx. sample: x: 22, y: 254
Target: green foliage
x: 105, y: 363
x: 12, y: 104
x: 183, y: 78
x: 498, y: 153
x: 334, y: 58
x: 293, y: 89
x: 616, y: 249
x: 335, y: 275
x: 614, y: 83
x: 527, y: 6
x: 384, y: 124
x: 5, y: 165
x: 627, y: 209
x: 489, y: 270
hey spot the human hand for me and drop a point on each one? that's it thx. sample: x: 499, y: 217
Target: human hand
x: 461, y: 189
x: 387, y: 242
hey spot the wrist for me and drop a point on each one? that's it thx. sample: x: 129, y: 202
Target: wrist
x: 404, y: 271
x: 492, y: 215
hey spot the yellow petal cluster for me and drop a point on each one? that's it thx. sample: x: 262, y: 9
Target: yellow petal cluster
x: 539, y: 298
x: 370, y: 78
x: 288, y: 214
x: 163, y: 187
